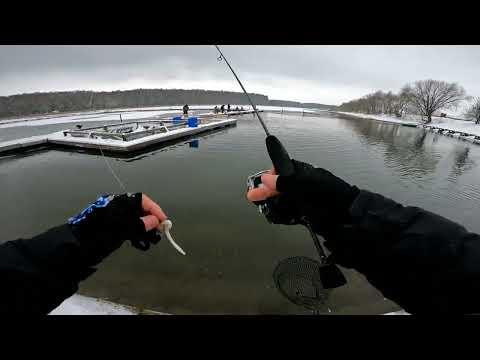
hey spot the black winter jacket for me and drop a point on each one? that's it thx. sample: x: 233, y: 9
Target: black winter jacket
x: 420, y: 260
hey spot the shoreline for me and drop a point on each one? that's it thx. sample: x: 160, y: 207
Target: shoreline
x: 381, y: 118
x: 166, y: 109
x: 461, y: 129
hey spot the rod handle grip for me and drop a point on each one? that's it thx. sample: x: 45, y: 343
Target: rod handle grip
x: 280, y: 159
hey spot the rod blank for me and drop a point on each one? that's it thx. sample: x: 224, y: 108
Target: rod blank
x: 245, y: 91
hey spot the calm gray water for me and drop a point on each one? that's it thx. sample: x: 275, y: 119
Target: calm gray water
x: 231, y: 249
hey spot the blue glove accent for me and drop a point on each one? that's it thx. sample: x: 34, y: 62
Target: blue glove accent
x: 101, y: 202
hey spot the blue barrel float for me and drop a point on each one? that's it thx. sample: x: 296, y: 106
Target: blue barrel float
x: 193, y: 122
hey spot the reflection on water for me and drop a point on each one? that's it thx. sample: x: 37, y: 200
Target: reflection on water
x: 405, y: 150
x: 200, y: 183
x: 462, y: 162
x: 194, y: 144
x: 412, y: 158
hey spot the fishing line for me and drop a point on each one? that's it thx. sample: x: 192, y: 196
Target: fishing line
x: 124, y: 188
x: 164, y: 227
x: 302, y: 280
x: 222, y: 57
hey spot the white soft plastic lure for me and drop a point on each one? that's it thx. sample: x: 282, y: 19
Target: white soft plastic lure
x: 165, y: 228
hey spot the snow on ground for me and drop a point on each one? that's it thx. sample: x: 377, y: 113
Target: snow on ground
x: 381, y: 117
x: 84, y: 118
x: 284, y: 108
x: 127, y: 114
x: 49, y: 116
x: 100, y: 114
x: 456, y: 125
x: 270, y: 108
x: 460, y: 110
x: 438, y: 122
x: 83, y: 305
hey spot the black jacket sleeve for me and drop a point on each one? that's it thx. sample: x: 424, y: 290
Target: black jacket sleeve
x: 422, y: 261
x: 38, y: 274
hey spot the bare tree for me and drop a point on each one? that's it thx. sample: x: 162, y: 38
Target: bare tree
x: 402, y: 103
x: 389, y: 100
x: 473, y: 110
x: 429, y: 96
x: 379, y: 102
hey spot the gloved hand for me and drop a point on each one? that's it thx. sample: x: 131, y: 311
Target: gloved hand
x: 103, y: 226
x: 312, y: 193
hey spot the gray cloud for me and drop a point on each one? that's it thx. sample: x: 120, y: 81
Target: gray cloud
x: 326, y: 74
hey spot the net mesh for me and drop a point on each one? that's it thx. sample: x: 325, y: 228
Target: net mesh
x: 298, y: 279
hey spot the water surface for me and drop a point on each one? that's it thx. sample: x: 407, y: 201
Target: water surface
x: 231, y: 249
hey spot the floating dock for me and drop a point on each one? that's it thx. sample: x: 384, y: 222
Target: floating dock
x: 23, y: 144
x: 121, y: 138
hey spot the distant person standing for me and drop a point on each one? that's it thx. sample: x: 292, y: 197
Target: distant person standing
x: 228, y: 108
x: 185, y: 111
x: 215, y: 110
x: 222, y: 108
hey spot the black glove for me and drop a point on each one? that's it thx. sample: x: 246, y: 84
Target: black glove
x: 313, y: 194
x: 106, y: 224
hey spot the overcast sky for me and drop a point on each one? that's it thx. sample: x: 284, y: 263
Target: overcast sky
x: 322, y: 74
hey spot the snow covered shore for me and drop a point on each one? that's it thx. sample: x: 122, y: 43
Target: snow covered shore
x: 460, y: 126
x: 127, y: 114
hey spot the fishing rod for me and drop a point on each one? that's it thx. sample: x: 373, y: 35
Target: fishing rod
x: 330, y: 274
x: 281, y: 160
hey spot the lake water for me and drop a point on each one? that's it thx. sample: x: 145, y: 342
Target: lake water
x: 231, y: 249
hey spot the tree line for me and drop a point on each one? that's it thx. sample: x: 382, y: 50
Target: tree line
x: 72, y: 101
x: 423, y: 97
